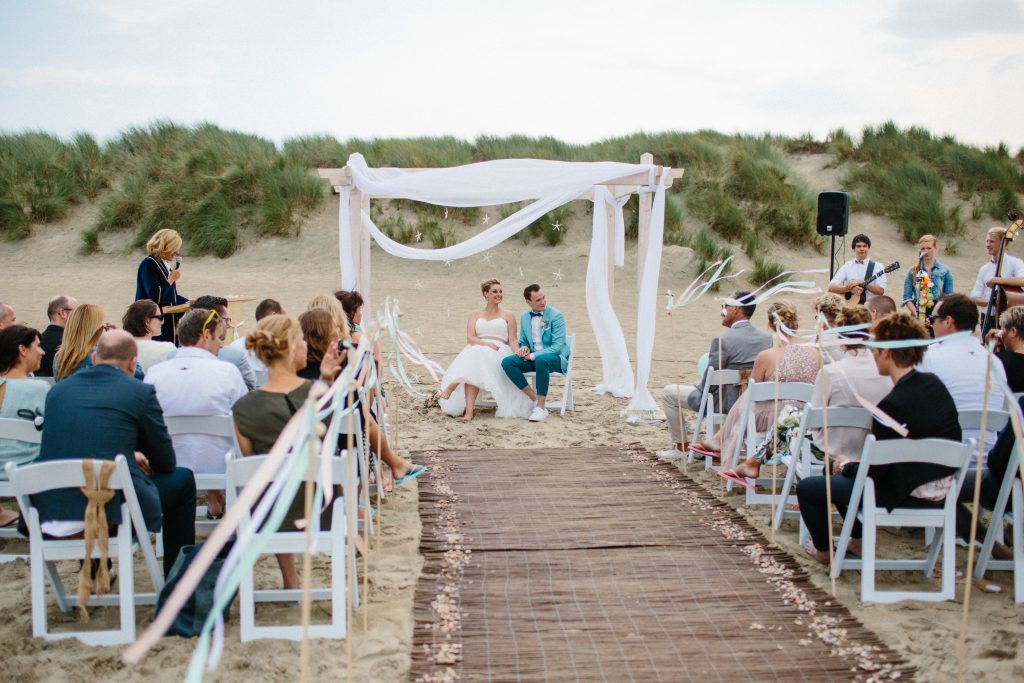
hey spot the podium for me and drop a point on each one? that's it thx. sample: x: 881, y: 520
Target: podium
x: 236, y: 309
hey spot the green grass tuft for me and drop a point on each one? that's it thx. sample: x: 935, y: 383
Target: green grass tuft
x: 764, y: 269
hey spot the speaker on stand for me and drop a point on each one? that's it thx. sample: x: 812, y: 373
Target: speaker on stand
x: 833, y: 219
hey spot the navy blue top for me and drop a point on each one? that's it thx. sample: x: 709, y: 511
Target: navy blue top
x: 151, y: 283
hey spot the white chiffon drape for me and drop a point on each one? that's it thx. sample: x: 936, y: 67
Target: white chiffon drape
x: 549, y: 184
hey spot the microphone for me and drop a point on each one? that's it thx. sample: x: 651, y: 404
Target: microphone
x: 177, y: 261
x: 920, y: 255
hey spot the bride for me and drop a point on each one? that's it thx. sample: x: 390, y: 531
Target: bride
x: 492, y: 335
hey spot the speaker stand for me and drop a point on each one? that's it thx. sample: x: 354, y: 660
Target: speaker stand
x: 832, y: 260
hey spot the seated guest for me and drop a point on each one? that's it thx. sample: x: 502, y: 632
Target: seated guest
x: 740, y: 345
x: 785, y: 362
x: 352, y: 303
x: 261, y: 414
x: 992, y: 477
x: 1010, y: 346
x: 143, y: 321
x: 827, y: 306
x: 880, y: 306
x: 960, y: 362
x: 920, y: 402
x: 342, y: 329
x: 7, y: 316
x: 21, y: 397
x: 227, y: 353
x: 196, y: 382
x: 100, y: 412
x: 263, y: 309
x: 854, y: 372
x: 85, y: 325
x: 319, y: 331
x: 57, y: 312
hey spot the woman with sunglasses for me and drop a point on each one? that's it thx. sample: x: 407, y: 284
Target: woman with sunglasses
x: 142, y: 320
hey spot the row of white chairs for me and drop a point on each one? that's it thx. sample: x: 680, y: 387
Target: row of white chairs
x: 28, y: 480
x: 939, y: 522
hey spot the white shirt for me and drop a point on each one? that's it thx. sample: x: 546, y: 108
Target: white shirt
x: 152, y: 352
x: 857, y: 270
x: 537, y: 326
x: 255, y: 363
x: 194, y: 382
x: 960, y: 364
x: 1012, y: 267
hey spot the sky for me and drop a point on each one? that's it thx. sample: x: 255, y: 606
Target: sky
x: 578, y: 71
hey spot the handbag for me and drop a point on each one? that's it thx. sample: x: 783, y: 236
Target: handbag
x: 190, y: 620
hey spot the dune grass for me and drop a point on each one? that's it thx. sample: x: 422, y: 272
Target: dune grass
x: 204, y: 179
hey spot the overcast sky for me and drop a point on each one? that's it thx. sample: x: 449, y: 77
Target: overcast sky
x: 580, y: 71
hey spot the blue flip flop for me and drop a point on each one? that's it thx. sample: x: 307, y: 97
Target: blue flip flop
x: 416, y: 471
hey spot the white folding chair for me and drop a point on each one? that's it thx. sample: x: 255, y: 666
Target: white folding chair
x: 207, y: 425
x: 942, y: 519
x: 19, y: 430
x: 33, y: 479
x: 1011, y: 492
x: 800, y: 462
x: 331, y: 542
x: 708, y: 420
x: 749, y: 437
x: 971, y: 419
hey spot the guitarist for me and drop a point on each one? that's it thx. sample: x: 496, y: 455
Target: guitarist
x: 849, y: 279
x: 1012, y: 272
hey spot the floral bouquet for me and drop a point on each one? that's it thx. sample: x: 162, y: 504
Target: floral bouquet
x: 925, y: 296
x: 786, y: 427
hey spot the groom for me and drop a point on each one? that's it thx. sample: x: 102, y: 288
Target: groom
x: 542, y: 349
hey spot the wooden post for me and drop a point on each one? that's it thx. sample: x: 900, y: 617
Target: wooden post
x: 364, y: 259
x: 355, y: 217
x: 643, y: 224
x: 610, y: 216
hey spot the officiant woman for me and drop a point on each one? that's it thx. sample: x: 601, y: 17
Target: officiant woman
x: 158, y: 277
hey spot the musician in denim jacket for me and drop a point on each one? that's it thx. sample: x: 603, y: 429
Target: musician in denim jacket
x: 941, y: 277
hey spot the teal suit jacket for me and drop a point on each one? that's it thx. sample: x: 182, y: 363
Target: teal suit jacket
x: 552, y: 336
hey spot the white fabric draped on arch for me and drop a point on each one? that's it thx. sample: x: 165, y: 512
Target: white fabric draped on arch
x: 547, y: 185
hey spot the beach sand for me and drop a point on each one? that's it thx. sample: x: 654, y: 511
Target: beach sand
x: 435, y: 300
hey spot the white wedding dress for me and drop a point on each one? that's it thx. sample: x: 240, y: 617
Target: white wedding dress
x: 481, y: 366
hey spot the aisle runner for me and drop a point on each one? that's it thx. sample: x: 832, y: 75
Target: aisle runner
x: 603, y: 564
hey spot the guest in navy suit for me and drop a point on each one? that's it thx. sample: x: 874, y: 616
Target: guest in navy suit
x: 100, y: 412
x: 158, y: 276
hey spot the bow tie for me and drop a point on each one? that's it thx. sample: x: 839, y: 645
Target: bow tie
x: 859, y: 263
x: 535, y: 314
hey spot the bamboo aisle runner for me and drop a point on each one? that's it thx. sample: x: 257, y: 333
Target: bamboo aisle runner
x: 603, y: 564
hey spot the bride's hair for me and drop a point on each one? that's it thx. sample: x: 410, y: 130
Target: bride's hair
x: 486, y: 285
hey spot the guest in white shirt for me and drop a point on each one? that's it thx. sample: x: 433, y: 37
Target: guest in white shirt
x: 1011, y: 275
x: 142, y: 320
x: 849, y: 279
x: 263, y: 309
x: 195, y: 382
x: 232, y: 355
x: 960, y: 362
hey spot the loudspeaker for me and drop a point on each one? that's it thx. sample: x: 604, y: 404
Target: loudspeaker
x: 833, y: 213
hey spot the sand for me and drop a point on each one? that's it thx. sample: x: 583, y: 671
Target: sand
x: 435, y: 300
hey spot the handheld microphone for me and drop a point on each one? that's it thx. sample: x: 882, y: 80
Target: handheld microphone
x: 177, y: 261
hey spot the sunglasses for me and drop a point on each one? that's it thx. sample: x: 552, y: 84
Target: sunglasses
x: 213, y: 316
x: 932, y: 317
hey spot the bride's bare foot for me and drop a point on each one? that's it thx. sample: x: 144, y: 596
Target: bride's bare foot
x: 447, y: 392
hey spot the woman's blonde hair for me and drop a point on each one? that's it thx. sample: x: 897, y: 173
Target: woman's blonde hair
x: 785, y: 313
x: 828, y: 305
x: 329, y: 303
x: 924, y: 238
x: 853, y: 315
x: 486, y: 285
x: 317, y: 330
x: 83, y: 330
x: 274, y: 338
x: 164, y: 241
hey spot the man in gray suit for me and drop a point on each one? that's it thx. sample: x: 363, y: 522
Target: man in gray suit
x: 740, y: 345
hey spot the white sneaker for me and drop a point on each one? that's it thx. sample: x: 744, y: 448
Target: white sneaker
x: 538, y: 414
x: 670, y: 454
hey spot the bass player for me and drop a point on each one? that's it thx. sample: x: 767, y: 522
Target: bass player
x: 1011, y: 275
x: 849, y: 279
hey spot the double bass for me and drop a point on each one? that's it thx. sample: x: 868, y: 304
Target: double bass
x: 1002, y: 296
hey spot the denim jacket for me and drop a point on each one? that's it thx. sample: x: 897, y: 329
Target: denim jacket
x: 942, y: 282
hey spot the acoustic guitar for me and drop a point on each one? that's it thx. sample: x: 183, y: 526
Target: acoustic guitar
x: 895, y: 265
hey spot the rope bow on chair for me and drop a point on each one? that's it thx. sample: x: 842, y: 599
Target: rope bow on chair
x: 96, y: 531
